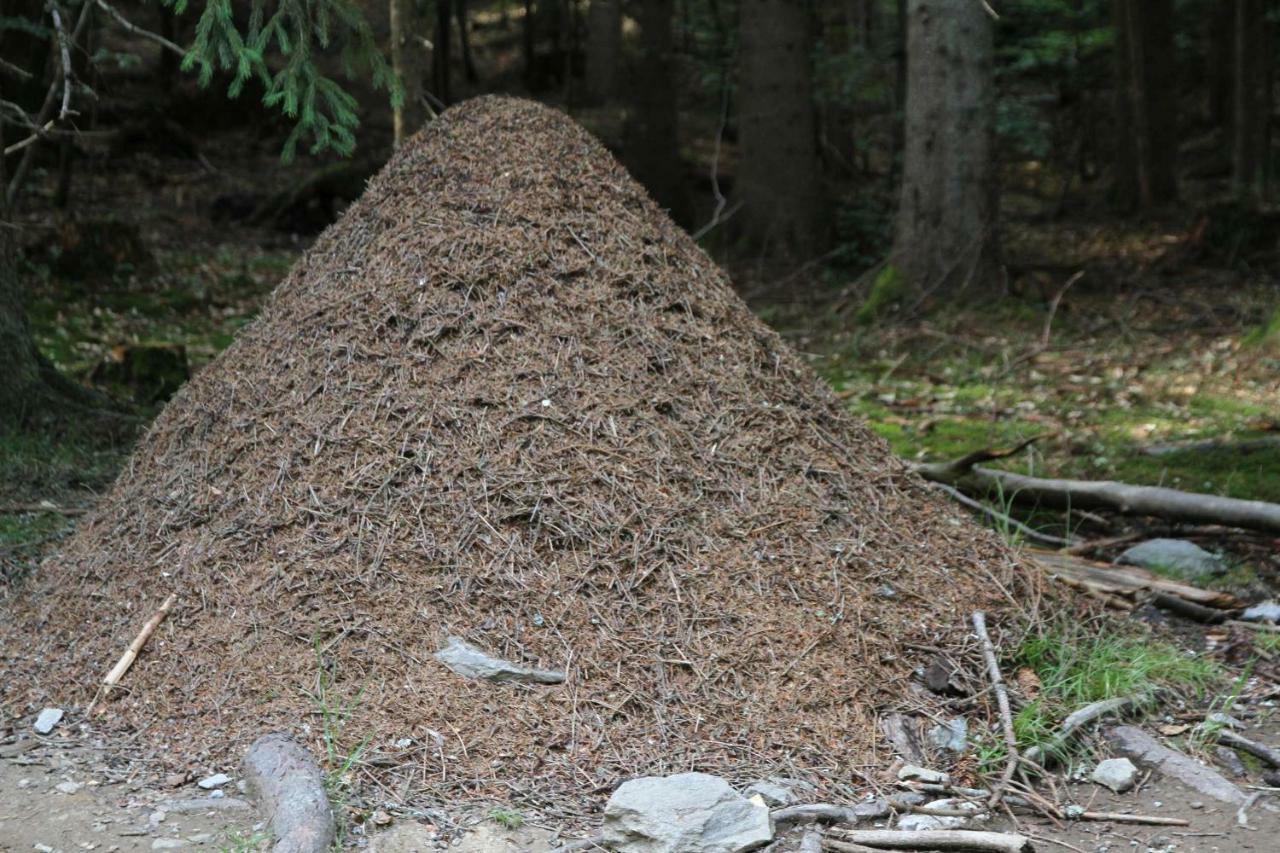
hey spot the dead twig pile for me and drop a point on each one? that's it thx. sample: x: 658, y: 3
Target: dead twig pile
x: 505, y: 398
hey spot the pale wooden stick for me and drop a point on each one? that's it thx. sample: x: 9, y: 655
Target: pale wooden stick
x: 131, y: 654
x: 1118, y: 817
x: 1002, y: 701
x: 933, y: 839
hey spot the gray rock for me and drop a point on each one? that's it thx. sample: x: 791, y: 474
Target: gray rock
x: 203, y: 804
x: 1174, y: 555
x: 912, y: 773
x: 686, y: 813
x: 168, y: 844
x: 47, y: 719
x: 1118, y: 774
x: 953, y: 735
x: 469, y: 662
x: 1266, y: 611
x: 217, y: 780
x: 924, y: 822
x: 1146, y: 751
x: 920, y: 821
x: 68, y: 787
x: 1229, y: 761
x: 290, y: 787
x: 779, y: 791
x: 200, y: 838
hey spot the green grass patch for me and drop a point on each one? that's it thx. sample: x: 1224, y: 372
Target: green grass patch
x: 1078, y: 665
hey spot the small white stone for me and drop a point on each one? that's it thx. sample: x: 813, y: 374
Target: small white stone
x: 68, y: 787
x: 42, y: 848
x: 217, y: 780
x: 167, y: 844
x: 48, y: 718
x: 1118, y: 774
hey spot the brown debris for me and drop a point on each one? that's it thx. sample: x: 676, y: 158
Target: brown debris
x: 505, y: 398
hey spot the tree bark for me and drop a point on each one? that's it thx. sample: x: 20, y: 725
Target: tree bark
x: 946, y: 237
x: 464, y: 41
x: 440, y: 51
x: 651, y: 143
x: 408, y: 59
x: 604, y: 42
x: 1251, y: 89
x: 778, y: 178
x: 1146, y: 104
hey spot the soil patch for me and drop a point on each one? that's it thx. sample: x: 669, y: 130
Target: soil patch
x: 505, y: 398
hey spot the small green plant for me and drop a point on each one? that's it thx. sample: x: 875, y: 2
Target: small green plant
x: 508, y: 818
x: 339, y: 760
x: 1078, y: 665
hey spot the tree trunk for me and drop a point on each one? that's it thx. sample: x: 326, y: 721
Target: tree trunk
x: 604, y: 41
x: 1146, y: 104
x: 1221, y: 37
x: 440, y: 52
x: 408, y: 59
x: 464, y: 41
x: 778, y: 179
x: 946, y: 236
x: 1251, y: 90
x: 651, y: 140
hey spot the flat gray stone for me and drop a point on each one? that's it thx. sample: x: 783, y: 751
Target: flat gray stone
x: 686, y: 813
x: 492, y: 838
x: 1177, y: 556
x: 952, y: 735
x: 470, y: 662
x: 779, y: 791
x: 1266, y: 611
x: 217, y: 780
x: 47, y: 719
x: 1229, y: 761
x: 1146, y: 751
x: 168, y: 844
x: 1118, y: 774
x: 912, y: 773
x: 920, y: 822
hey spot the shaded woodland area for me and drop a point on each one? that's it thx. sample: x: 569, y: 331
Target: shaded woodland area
x: 714, y: 371
x: 1053, y: 221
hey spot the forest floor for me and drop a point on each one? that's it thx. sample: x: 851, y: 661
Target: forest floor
x: 1133, y: 348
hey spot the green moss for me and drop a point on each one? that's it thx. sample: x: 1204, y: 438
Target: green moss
x: 886, y: 289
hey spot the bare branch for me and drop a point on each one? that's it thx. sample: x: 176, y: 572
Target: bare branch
x: 139, y: 31
x: 64, y: 49
x: 20, y: 73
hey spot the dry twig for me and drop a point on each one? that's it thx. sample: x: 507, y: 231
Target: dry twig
x: 1002, y: 701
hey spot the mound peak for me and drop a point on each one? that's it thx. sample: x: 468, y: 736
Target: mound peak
x: 505, y: 398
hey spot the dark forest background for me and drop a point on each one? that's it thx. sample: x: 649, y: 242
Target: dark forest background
x: 984, y: 220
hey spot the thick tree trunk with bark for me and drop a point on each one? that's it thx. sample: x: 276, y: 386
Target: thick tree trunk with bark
x: 651, y: 133
x: 1146, y: 104
x: 778, y: 179
x: 946, y: 237
x: 1253, y: 69
x: 604, y: 41
x: 409, y: 59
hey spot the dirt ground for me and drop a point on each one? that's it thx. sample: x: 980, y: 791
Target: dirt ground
x: 65, y: 794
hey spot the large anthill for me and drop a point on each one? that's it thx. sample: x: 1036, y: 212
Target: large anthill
x: 505, y: 398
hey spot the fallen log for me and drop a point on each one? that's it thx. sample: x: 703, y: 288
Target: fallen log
x: 1124, y: 498
x: 1130, y: 582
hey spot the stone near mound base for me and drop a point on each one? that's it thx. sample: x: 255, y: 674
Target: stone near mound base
x: 686, y: 813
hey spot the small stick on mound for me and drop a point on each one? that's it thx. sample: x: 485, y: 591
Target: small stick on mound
x: 932, y: 839
x: 1002, y: 700
x: 1148, y: 820
x: 131, y: 654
